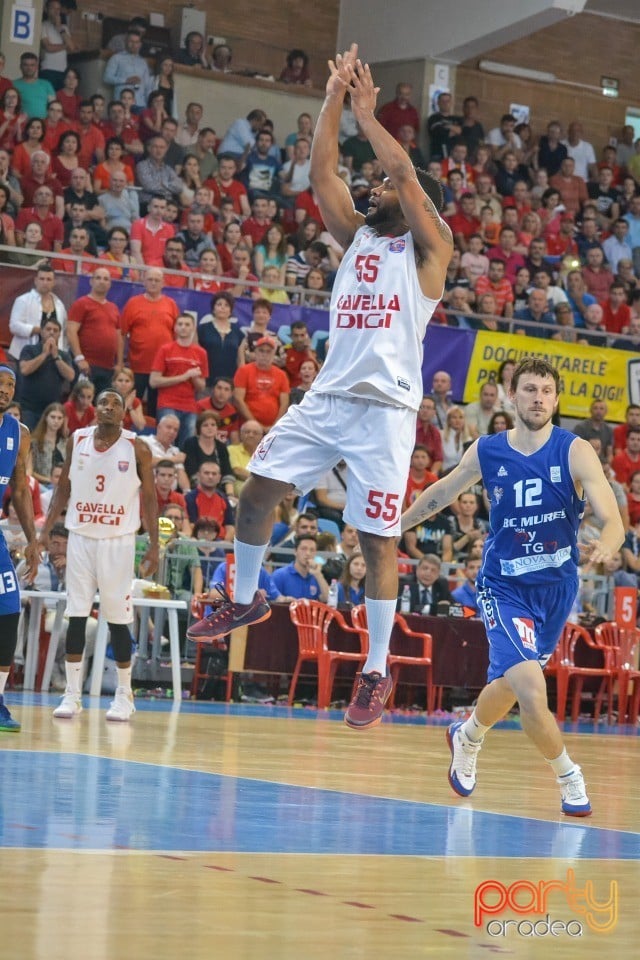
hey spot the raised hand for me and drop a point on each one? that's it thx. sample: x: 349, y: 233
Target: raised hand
x: 364, y: 93
x: 340, y: 70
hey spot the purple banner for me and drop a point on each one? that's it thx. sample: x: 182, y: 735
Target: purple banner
x: 445, y: 348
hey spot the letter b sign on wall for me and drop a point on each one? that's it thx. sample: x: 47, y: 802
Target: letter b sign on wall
x: 23, y: 21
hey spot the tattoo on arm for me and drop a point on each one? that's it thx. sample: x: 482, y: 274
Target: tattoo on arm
x: 437, y: 221
x: 428, y: 510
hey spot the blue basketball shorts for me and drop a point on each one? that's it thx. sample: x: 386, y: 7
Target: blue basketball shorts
x: 523, y: 623
x: 9, y: 591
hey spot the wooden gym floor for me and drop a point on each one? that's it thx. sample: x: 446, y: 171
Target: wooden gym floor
x: 248, y: 832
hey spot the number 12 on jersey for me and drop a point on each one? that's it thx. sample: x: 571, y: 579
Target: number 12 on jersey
x: 528, y: 493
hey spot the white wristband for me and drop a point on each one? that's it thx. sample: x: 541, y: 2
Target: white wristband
x: 79, y: 357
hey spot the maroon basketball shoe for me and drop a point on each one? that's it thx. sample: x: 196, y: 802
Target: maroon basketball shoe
x: 228, y: 615
x: 372, y: 692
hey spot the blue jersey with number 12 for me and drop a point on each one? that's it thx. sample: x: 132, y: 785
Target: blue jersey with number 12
x: 535, y: 511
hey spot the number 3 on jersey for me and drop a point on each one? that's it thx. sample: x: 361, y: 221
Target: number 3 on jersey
x: 383, y: 505
x: 366, y: 268
x: 100, y: 478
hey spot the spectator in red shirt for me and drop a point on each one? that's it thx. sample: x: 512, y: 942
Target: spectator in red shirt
x: 262, y: 389
x: 563, y: 243
x: 41, y: 175
x: 147, y: 321
x: 420, y: 475
x: 497, y: 284
x: 572, y: 189
x: 93, y: 330
x: 179, y: 373
x: 149, y: 234
x: 206, y: 500
x: 306, y: 208
x: 428, y: 435
x: 616, y: 313
x: 91, y: 137
x: 240, y: 273
x: 505, y: 252
x: 41, y: 212
x: 78, y: 247
x: 54, y: 126
x: 627, y: 462
x: 219, y: 400
x: 596, y: 276
x: 632, y: 419
x: 457, y: 160
x: 399, y: 112
x: 224, y: 184
x: 297, y: 352
x: 79, y: 407
x: 166, y: 476
x: 464, y: 223
x: 255, y: 227
x: 172, y: 260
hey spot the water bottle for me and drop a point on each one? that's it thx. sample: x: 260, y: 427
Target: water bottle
x: 332, y: 599
x: 405, y: 599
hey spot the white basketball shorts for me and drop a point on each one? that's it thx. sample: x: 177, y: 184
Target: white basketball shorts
x: 104, y: 567
x: 374, y: 439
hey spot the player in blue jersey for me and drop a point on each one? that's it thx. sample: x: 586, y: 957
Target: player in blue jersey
x: 14, y: 455
x: 536, y: 477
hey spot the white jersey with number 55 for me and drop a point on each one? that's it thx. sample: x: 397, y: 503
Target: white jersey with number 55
x: 379, y: 317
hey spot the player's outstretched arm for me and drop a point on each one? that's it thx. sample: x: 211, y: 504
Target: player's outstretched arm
x: 340, y: 216
x: 431, y: 234
x: 60, y: 497
x: 440, y: 494
x: 23, y: 504
x: 149, y: 562
x: 586, y: 470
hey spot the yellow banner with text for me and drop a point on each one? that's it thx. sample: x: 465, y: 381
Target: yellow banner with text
x: 587, y: 373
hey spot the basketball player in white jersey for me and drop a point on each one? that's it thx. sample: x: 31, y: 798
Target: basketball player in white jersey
x: 362, y: 407
x: 105, y: 470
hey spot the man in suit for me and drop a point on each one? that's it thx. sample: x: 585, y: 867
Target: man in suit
x: 429, y: 587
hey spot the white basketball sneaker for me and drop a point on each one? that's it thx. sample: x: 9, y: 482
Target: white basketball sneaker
x: 70, y: 706
x: 122, y: 706
x: 464, y: 756
x: 575, y: 802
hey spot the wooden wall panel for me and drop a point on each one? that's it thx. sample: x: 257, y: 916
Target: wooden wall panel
x: 579, y: 49
x: 259, y: 31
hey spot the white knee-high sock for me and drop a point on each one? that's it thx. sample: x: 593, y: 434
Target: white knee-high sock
x: 124, y: 677
x: 380, y: 614
x: 248, y: 563
x: 3, y: 681
x: 74, y: 677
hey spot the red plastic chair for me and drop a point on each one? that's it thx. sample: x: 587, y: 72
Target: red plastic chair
x: 197, y: 612
x: 312, y: 620
x: 625, y: 643
x: 567, y: 669
x: 397, y: 660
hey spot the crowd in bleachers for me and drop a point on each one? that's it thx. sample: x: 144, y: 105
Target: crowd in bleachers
x: 137, y: 188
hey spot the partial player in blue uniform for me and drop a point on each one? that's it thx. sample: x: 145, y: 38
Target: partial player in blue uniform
x: 14, y: 453
x: 537, y: 477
